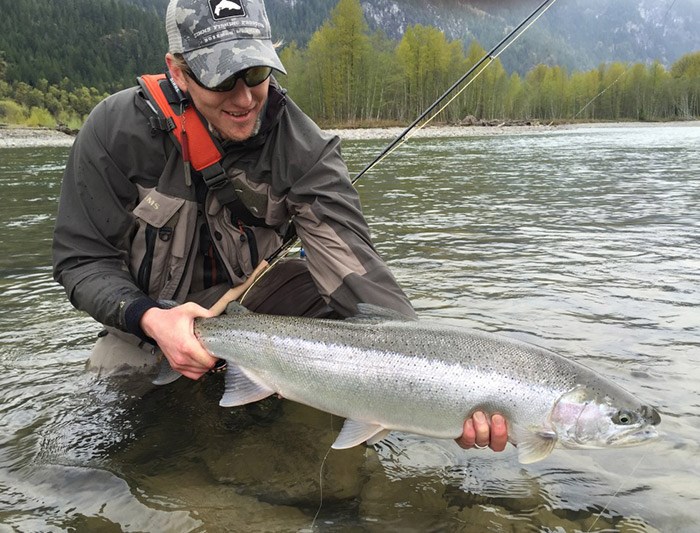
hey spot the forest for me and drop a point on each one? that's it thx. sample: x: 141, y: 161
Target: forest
x: 346, y: 75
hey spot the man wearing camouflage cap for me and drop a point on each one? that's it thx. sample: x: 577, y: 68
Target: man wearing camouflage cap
x: 137, y: 226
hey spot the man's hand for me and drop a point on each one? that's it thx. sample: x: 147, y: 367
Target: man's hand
x: 173, y: 330
x: 479, y: 432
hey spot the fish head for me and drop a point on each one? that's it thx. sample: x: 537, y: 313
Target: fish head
x: 585, y: 418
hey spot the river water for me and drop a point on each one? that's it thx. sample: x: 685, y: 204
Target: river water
x: 583, y: 240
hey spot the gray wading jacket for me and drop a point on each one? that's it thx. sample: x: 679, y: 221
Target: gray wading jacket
x: 126, y: 226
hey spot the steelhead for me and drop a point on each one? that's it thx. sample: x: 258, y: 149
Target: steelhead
x: 382, y: 372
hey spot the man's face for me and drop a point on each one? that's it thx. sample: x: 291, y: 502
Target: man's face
x: 234, y: 114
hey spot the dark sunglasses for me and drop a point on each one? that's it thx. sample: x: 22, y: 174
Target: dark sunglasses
x: 251, y: 76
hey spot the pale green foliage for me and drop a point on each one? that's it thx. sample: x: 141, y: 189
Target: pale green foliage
x: 12, y: 112
x: 347, y: 75
x: 38, y: 116
x: 339, y: 56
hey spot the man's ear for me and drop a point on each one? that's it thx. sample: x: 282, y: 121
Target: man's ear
x: 176, y: 72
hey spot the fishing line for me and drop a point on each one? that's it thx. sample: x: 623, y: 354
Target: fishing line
x: 479, y: 67
x: 663, y: 22
x: 622, y: 483
x: 320, y: 487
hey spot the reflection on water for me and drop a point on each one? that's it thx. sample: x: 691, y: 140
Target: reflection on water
x: 582, y: 240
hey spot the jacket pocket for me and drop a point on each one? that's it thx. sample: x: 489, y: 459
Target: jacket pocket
x: 156, y: 244
x: 241, y: 246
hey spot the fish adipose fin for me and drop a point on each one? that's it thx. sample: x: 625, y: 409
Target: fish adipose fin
x: 239, y: 389
x: 354, y: 433
x: 533, y: 446
x: 166, y: 374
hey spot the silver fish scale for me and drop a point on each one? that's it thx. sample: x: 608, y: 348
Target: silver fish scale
x: 351, y: 368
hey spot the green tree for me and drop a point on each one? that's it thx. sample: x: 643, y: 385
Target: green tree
x: 340, y: 52
x: 584, y: 87
x: 686, y: 77
x: 425, y: 56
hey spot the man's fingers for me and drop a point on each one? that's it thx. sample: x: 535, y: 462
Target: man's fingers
x: 480, y: 432
x: 481, y: 429
x: 499, y: 433
x: 468, y: 437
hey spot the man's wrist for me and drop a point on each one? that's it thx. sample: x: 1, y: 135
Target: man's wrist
x: 134, y: 313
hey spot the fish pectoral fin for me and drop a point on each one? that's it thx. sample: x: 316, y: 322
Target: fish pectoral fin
x: 166, y: 374
x: 533, y: 446
x: 239, y: 389
x: 355, y: 432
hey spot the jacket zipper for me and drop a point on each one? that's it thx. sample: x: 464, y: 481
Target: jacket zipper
x: 144, y: 276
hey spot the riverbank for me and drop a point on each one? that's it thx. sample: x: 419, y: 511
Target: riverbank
x: 19, y: 137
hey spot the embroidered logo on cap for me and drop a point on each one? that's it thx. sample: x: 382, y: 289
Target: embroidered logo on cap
x: 222, y: 9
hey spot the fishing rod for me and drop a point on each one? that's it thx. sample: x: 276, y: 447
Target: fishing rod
x: 292, y: 239
x: 489, y: 56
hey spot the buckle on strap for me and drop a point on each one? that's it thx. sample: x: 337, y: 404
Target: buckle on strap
x: 215, y: 176
x: 162, y: 124
x: 217, y: 181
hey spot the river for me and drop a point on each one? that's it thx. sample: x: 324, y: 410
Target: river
x: 583, y: 240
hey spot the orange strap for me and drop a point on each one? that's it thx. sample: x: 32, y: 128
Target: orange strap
x: 198, y: 144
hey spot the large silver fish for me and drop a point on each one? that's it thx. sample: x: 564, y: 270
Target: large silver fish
x: 382, y: 373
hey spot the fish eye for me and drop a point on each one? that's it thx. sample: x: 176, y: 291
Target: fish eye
x: 623, y: 418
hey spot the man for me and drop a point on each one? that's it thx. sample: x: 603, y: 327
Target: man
x: 136, y: 225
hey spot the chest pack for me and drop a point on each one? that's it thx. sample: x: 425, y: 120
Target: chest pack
x: 200, y: 150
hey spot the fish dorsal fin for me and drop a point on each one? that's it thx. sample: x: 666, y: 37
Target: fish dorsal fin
x: 355, y: 432
x: 234, y: 307
x: 239, y: 389
x: 166, y: 374
x: 533, y: 446
x: 376, y: 313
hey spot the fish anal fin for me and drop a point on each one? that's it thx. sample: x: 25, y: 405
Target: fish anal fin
x: 533, y: 446
x: 379, y: 436
x: 239, y: 389
x: 355, y: 432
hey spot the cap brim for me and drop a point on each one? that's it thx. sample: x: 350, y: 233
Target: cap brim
x: 214, y: 64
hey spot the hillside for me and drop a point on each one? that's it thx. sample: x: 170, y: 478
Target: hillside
x: 578, y: 34
x: 106, y: 43
x: 97, y: 43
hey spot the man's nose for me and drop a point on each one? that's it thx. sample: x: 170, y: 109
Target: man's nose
x: 241, y: 93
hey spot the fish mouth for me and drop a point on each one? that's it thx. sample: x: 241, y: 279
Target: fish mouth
x: 634, y: 437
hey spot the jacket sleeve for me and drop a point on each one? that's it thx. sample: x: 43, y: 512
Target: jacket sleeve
x: 94, y: 220
x: 329, y: 221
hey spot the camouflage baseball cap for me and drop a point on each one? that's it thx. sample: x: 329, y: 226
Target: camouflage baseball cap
x: 221, y: 37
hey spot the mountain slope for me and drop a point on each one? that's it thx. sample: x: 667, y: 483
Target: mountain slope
x: 106, y: 43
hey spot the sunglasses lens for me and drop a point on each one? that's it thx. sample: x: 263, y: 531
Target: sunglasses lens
x: 226, y: 85
x: 256, y: 75
x: 251, y: 77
